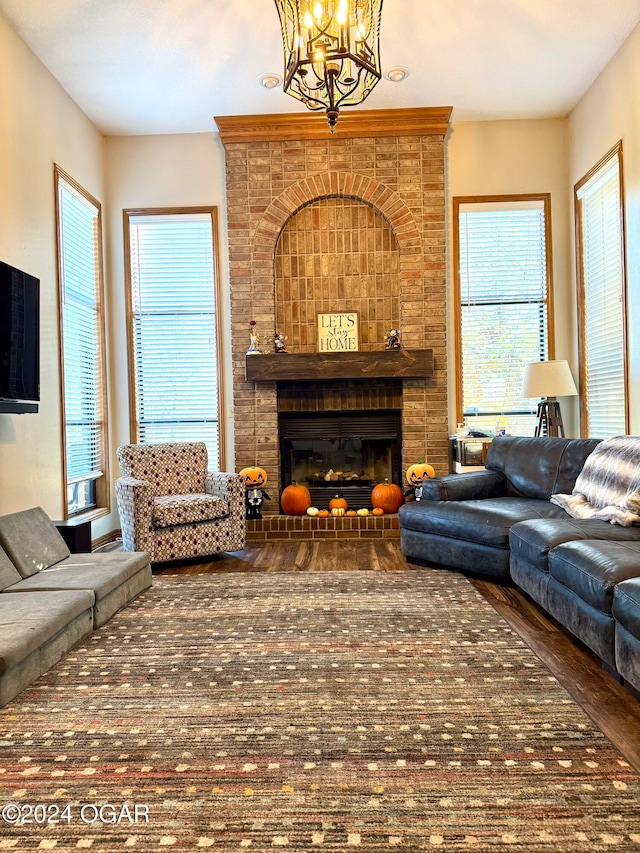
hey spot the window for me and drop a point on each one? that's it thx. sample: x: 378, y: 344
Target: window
x: 174, y: 327
x: 83, y: 372
x: 502, y: 270
x: 602, y: 298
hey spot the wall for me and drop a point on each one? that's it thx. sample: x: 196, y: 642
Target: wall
x: 39, y: 125
x: 155, y: 172
x: 512, y: 157
x: 607, y: 113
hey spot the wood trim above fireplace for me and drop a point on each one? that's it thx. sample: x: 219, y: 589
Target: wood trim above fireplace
x: 316, y: 366
x: 413, y: 121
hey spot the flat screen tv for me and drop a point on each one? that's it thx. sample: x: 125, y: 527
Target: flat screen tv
x: 19, y: 341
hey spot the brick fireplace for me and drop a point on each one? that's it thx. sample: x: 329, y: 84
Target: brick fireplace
x: 348, y: 223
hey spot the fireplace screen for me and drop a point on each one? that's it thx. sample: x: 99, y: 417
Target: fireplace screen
x: 340, y: 454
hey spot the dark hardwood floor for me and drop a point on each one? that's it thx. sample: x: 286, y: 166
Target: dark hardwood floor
x: 614, y: 708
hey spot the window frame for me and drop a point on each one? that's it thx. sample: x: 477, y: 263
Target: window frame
x: 128, y: 215
x: 458, y: 202
x: 614, y: 152
x: 103, y: 487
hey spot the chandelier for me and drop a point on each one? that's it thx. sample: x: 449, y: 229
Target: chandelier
x: 331, y: 51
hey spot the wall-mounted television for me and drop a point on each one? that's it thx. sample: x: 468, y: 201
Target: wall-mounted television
x: 19, y: 341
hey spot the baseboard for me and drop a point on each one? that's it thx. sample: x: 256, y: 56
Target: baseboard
x: 105, y: 539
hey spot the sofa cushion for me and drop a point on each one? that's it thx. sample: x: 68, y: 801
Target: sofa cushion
x: 626, y: 605
x: 31, y: 540
x: 539, y: 467
x: 30, y: 620
x: 532, y: 540
x: 100, y: 573
x: 591, y: 569
x: 186, y: 509
x: 171, y: 468
x: 8, y: 572
x: 484, y: 521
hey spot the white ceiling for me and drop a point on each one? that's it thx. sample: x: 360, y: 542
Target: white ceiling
x: 169, y: 66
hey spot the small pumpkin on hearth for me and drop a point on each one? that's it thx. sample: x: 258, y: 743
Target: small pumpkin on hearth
x: 295, y: 499
x: 387, y: 496
x: 351, y: 513
x: 377, y: 511
x: 338, y: 511
x: 312, y: 511
x: 324, y: 513
x: 363, y: 511
x: 337, y: 503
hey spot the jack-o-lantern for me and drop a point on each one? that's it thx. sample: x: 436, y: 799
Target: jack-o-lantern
x: 418, y: 472
x: 254, y: 477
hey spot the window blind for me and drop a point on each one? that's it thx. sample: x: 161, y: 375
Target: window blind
x: 174, y: 329
x: 503, y: 299
x: 603, y: 284
x: 80, y: 283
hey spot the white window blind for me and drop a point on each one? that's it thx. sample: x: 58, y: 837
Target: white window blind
x: 603, y: 302
x: 81, y: 325
x: 503, y: 281
x: 174, y: 329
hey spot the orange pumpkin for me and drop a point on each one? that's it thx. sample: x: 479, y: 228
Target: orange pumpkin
x: 324, y: 513
x: 295, y: 499
x: 377, y: 511
x: 254, y: 476
x: 418, y: 472
x: 351, y: 513
x: 337, y: 503
x: 387, y: 496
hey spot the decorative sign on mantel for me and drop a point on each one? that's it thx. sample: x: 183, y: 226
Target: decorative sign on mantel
x: 338, y: 332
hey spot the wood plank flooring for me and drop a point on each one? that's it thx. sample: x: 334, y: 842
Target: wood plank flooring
x: 614, y: 708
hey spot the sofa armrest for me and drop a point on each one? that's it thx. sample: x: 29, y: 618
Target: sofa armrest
x: 135, y: 508
x: 472, y: 485
x: 228, y: 487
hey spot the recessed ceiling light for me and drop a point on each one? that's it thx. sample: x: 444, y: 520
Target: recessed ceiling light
x: 270, y: 81
x: 397, y: 74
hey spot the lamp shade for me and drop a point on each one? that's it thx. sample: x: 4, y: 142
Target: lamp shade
x: 548, y: 379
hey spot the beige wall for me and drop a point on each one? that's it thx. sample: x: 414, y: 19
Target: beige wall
x: 509, y: 157
x: 159, y: 171
x: 609, y: 112
x: 39, y: 126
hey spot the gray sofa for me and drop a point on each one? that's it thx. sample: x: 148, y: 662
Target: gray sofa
x: 499, y: 523
x: 51, y: 599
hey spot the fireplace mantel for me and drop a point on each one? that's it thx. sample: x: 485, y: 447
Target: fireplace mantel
x: 316, y: 366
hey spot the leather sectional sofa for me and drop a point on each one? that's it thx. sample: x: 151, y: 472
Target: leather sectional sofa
x: 499, y: 523
x: 51, y: 599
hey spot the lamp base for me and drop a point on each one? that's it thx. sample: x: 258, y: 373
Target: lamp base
x: 549, y: 419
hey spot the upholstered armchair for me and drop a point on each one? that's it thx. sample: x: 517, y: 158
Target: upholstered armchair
x: 171, y: 506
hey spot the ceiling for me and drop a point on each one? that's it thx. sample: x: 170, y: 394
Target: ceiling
x: 169, y: 66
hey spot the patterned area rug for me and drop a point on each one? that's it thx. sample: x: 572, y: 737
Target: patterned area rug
x: 326, y: 711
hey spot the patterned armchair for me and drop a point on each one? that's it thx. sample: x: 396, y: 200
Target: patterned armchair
x: 173, y: 508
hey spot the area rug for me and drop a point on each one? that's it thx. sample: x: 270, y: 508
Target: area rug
x: 310, y: 711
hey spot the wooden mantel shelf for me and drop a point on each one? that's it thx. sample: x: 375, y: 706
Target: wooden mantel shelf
x: 316, y: 366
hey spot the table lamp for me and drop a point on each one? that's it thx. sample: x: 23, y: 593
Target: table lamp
x: 548, y: 379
